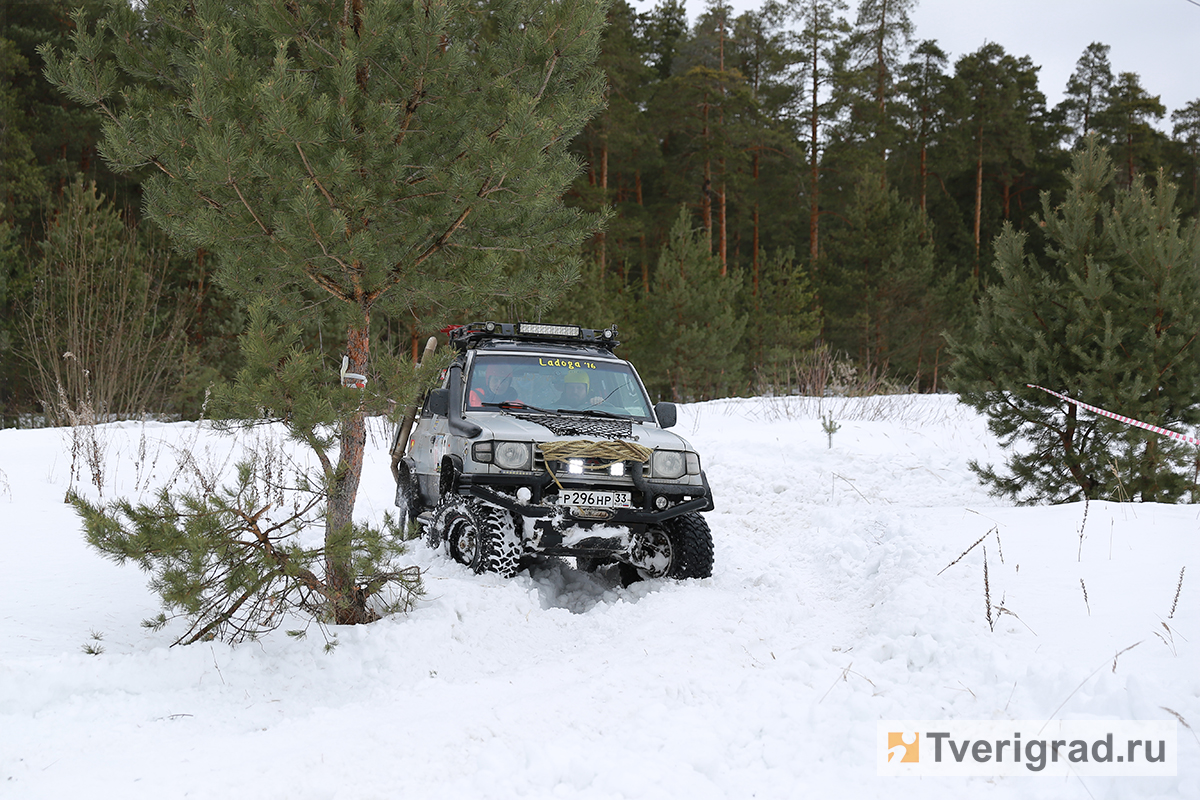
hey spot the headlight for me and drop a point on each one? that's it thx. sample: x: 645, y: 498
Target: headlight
x: 513, y: 455
x: 668, y: 464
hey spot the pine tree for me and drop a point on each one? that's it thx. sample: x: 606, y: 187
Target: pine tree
x: 1187, y: 133
x: 824, y: 29
x: 382, y: 155
x: 1125, y: 123
x: 1110, y: 316
x: 762, y: 51
x: 1087, y: 90
x: 998, y: 107
x: 870, y: 69
x: 707, y: 120
x: 616, y: 145
x: 664, y: 29
x: 922, y: 109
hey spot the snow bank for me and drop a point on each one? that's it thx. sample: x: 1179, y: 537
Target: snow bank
x: 831, y: 606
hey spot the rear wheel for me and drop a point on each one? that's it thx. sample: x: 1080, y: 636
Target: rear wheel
x: 408, y: 506
x: 482, y: 537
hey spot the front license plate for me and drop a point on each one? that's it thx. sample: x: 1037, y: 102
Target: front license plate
x: 584, y: 499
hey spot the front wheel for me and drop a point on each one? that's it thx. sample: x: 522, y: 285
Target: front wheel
x: 480, y: 536
x: 691, y: 546
x: 681, y: 548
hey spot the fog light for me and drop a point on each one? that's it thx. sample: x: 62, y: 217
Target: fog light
x: 575, y: 466
x: 660, y: 502
x: 523, y: 494
x: 617, y: 469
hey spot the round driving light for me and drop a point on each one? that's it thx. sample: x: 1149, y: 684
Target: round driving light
x: 512, y: 455
x: 660, y: 502
x: 523, y: 494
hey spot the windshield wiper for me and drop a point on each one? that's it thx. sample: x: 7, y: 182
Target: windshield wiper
x: 590, y: 412
x: 516, y: 405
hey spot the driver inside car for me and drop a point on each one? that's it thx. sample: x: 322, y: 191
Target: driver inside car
x: 496, y: 387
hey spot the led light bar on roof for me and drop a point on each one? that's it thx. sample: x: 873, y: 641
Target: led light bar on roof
x: 464, y: 337
x: 537, y: 329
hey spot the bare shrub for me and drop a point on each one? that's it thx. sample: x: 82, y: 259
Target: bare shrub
x: 823, y: 372
x: 84, y: 439
x: 99, y: 296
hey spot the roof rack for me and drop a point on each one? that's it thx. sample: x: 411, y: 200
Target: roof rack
x: 466, y: 336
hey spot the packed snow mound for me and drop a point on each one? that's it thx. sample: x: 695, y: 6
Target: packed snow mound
x: 841, y: 596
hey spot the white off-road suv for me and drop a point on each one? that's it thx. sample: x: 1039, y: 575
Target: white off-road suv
x: 541, y: 442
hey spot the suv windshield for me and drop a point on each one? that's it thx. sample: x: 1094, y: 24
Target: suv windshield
x: 556, y: 384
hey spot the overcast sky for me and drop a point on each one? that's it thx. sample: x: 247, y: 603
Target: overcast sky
x: 1158, y: 39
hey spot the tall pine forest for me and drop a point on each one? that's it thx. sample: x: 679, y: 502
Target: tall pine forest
x: 785, y: 187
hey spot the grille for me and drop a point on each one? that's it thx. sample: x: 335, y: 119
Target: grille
x: 582, y: 426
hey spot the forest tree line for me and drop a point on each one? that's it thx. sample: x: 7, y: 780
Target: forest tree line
x: 780, y: 184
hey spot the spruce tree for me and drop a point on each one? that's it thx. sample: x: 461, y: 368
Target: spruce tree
x: 1110, y: 316
x: 376, y: 157
x: 690, y: 329
x: 882, y: 300
x: 782, y: 322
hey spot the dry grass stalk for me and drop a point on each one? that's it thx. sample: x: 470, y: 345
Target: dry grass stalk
x: 1182, y: 721
x: 969, y: 549
x: 1085, y: 599
x: 1082, y: 526
x: 1054, y: 714
x: 846, y: 672
x: 1178, y: 589
x: 1169, y: 639
x: 987, y: 594
x: 88, y: 446
x: 1121, y: 653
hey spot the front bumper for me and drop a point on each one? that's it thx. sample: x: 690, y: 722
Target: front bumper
x: 499, y: 490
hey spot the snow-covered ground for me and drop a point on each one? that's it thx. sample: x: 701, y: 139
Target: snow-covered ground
x: 831, y: 607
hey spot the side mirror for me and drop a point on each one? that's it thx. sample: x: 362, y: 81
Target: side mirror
x: 439, y: 402
x: 667, y: 415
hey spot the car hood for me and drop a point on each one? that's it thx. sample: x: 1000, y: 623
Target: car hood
x: 501, y: 426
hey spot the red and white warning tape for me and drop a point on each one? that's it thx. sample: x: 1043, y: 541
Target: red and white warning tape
x: 1119, y: 418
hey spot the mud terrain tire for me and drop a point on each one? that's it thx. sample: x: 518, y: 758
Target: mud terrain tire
x: 482, y: 537
x: 691, y: 547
